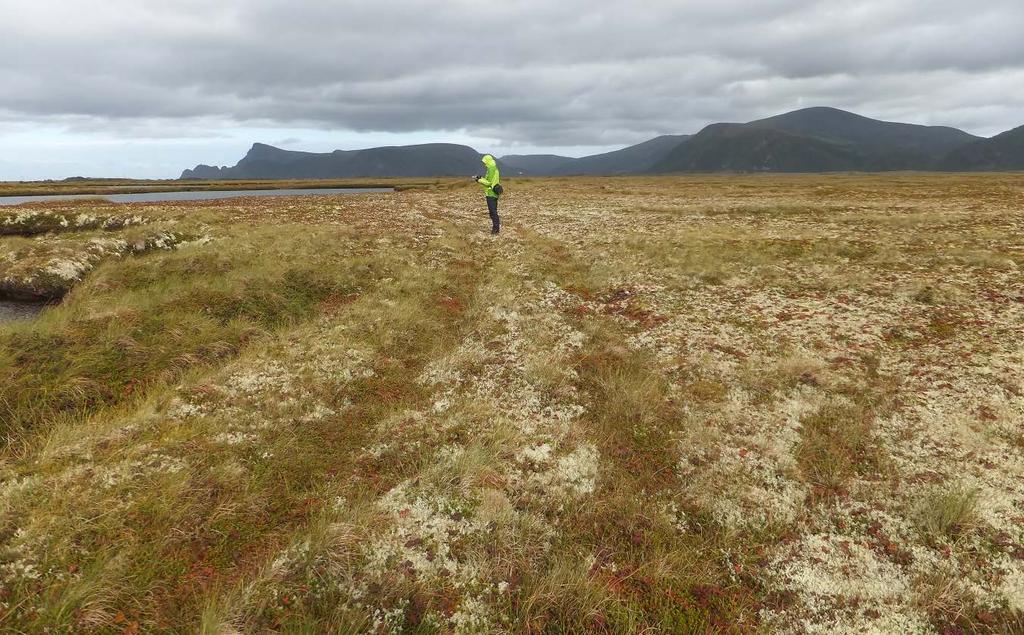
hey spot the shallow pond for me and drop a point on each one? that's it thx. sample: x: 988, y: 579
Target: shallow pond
x: 13, y: 310
x: 157, y: 197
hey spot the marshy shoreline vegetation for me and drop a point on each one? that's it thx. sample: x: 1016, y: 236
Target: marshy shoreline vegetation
x: 99, y: 187
x: 705, y: 404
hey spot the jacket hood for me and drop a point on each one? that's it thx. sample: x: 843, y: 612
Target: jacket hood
x: 488, y: 160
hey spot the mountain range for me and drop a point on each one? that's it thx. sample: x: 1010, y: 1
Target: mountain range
x: 632, y: 160
x: 267, y: 162
x: 814, y: 140
x: 810, y: 140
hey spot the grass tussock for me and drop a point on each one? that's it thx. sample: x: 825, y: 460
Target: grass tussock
x: 837, y: 444
x: 634, y: 415
x: 948, y: 513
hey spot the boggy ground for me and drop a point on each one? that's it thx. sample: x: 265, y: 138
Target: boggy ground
x: 709, y: 405
x: 86, y: 186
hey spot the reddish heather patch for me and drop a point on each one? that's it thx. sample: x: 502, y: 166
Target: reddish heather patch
x: 451, y: 305
x: 335, y: 302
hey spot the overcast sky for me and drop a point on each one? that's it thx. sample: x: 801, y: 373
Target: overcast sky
x: 146, y: 88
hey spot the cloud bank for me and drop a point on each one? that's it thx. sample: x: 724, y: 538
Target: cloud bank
x: 527, y: 72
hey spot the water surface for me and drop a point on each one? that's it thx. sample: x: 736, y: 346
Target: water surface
x: 157, y: 197
x: 13, y: 310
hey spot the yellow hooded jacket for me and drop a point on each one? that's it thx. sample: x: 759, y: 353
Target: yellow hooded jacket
x: 492, y: 178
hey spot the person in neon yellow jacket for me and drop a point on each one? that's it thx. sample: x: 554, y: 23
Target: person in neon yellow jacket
x: 490, y: 180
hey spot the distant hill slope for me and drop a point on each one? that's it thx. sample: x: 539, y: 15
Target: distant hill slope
x: 738, y: 148
x: 537, y: 164
x: 814, y: 140
x: 267, y: 162
x: 632, y: 160
x: 1000, y: 153
x: 880, y: 136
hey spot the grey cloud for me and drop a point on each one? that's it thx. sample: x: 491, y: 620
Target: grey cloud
x: 529, y: 72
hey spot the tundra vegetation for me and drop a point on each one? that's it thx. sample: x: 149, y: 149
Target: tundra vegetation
x: 696, y: 404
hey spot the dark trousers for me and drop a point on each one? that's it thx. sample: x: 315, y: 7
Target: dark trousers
x: 492, y: 209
